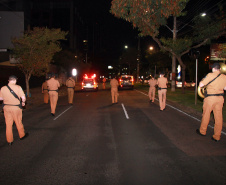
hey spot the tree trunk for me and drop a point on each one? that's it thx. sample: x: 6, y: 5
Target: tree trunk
x: 173, y: 82
x: 27, y: 78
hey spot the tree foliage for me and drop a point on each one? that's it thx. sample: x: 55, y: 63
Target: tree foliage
x: 35, y: 50
x: 147, y: 15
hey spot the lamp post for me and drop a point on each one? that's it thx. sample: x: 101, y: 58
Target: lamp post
x: 138, y: 60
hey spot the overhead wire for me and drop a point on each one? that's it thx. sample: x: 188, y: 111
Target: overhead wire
x: 188, y: 23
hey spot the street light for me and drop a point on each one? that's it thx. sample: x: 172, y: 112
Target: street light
x: 74, y: 73
x: 126, y: 47
x: 151, y: 48
x: 203, y: 14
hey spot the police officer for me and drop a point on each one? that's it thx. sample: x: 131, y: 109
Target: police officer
x: 213, y: 101
x: 70, y: 83
x: 53, y: 86
x: 162, y: 89
x: 45, y: 92
x: 11, y: 96
x: 114, y: 90
x: 104, y: 83
x: 152, y: 83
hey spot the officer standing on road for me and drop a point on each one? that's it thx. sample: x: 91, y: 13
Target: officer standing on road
x: 152, y: 82
x: 114, y: 90
x: 104, y: 83
x: 162, y: 89
x: 70, y: 83
x: 53, y: 86
x: 213, y: 101
x: 11, y: 95
x: 45, y: 92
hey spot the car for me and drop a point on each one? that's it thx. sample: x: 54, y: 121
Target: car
x: 186, y: 84
x: 126, y: 81
x: 89, y: 82
x: 190, y: 84
x: 179, y: 84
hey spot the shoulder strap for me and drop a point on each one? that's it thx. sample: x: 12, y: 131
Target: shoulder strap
x: 13, y: 93
x: 213, y: 79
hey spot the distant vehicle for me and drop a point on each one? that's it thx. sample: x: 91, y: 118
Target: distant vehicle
x: 190, y: 84
x: 186, y: 84
x: 146, y: 80
x: 126, y: 81
x: 89, y: 82
x: 179, y: 84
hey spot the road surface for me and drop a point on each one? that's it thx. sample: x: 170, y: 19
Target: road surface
x: 96, y: 143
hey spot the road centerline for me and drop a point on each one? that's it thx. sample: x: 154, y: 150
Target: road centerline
x: 62, y: 113
x: 127, y: 116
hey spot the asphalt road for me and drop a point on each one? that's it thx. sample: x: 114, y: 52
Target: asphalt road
x: 96, y: 143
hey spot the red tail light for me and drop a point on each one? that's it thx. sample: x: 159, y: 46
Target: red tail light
x: 132, y: 80
x: 120, y: 80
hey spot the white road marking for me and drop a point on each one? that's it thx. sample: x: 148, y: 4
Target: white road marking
x: 181, y: 112
x: 127, y: 117
x: 62, y: 113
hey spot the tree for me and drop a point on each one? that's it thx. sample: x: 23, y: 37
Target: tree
x: 35, y: 50
x: 149, y: 15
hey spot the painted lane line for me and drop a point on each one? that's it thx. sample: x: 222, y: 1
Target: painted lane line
x: 62, y: 113
x: 127, y: 117
x: 182, y: 112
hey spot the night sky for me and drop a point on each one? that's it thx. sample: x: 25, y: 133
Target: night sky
x: 115, y: 33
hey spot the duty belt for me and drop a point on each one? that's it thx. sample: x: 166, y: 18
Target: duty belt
x: 70, y: 87
x: 19, y: 105
x: 53, y: 90
x: 222, y: 94
x: 159, y: 88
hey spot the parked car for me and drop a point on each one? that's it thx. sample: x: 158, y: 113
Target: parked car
x: 190, y: 84
x: 186, y: 84
x: 179, y: 84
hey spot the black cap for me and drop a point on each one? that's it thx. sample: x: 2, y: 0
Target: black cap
x: 12, y: 77
x: 216, y: 66
x: 162, y: 73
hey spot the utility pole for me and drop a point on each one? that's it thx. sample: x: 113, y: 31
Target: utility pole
x: 173, y: 83
x: 138, y: 60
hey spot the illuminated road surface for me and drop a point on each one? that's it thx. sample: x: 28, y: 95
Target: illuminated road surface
x: 96, y: 143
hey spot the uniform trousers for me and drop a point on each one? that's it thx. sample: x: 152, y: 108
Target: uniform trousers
x: 215, y: 104
x: 13, y: 114
x: 46, y: 96
x: 162, y: 98
x: 70, y: 92
x: 53, y: 97
x: 114, y: 94
x: 152, y: 93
